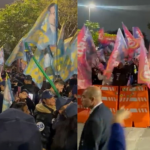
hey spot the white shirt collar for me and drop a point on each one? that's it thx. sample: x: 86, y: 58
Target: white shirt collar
x: 95, y: 107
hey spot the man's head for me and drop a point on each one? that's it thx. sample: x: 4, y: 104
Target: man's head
x: 24, y: 94
x: 91, y: 97
x: 2, y: 85
x: 21, y: 106
x: 28, y: 79
x: 48, y: 98
x: 52, y: 15
x: 15, y: 82
x: 59, y: 85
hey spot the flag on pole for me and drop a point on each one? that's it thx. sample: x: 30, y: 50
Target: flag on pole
x: 87, y: 56
x: 144, y: 69
x: 137, y: 33
x: 33, y: 70
x: 131, y: 41
x: 69, y: 66
x: 44, y: 31
x: 17, y: 53
x: 118, y: 54
x: 8, y: 95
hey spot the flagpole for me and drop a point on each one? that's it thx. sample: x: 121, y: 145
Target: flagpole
x: 41, y: 69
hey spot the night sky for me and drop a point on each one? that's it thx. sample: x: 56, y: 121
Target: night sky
x: 111, y: 19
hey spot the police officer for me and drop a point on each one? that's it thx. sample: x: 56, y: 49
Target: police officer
x: 44, y: 115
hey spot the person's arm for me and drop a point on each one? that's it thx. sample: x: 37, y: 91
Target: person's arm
x: 117, y: 138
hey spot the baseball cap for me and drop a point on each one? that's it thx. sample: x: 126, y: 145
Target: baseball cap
x: 60, y: 102
x: 2, y: 83
x: 71, y: 110
x: 47, y: 95
x: 25, y: 90
x: 28, y: 77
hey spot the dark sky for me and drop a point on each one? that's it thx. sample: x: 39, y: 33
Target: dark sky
x: 4, y: 2
x: 111, y: 19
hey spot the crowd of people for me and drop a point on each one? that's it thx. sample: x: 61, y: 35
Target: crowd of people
x: 122, y: 75
x: 55, y: 117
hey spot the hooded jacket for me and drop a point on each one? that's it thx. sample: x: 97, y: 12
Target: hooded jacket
x: 44, y: 116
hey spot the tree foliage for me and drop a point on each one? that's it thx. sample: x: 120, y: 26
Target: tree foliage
x: 93, y: 27
x: 18, y: 18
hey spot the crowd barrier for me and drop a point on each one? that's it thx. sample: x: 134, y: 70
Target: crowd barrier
x: 134, y: 99
x: 109, y: 98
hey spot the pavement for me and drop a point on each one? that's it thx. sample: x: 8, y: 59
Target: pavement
x: 136, y: 138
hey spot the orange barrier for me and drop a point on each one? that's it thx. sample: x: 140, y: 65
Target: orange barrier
x: 135, y: 99
x: 110, y: 97
x: 83, y: 116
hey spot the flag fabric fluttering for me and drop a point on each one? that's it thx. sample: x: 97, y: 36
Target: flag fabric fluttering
x: 118, y: 54
x: 69, y: 66
x: 87, y: 55
x: 44, y: 31
x: 1, y: 56
x: 131, y: 41
x: 144, y: 69
x: 58, y: 55
x: 137, y: 33
x: 33, y: 70
x: 8, y: 95
x: 17, y: 53
x: 1, y: 60
x: 104, y: 38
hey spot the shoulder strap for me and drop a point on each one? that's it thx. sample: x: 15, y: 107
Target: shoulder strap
x: 49, y: 108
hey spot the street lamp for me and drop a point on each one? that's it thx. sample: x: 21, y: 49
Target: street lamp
x: 90, y: 6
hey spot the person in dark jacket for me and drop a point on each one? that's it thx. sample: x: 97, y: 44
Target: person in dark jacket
x: 96, y: 132
x: 61, y: 105
x: 31, y: 88
x: 120, y: 74
x: 2, y: 86
x: 117, y: 138
x: 23, y: 97
x: 66, y: 133
x: 44, y: 115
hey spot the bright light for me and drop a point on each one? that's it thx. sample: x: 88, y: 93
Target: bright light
x: 92, y: 6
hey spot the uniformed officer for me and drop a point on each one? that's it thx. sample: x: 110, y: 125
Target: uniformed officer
x: 44, y: 115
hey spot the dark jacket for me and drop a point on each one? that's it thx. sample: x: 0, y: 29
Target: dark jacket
x: 71, y: 143
x: 44, y: 117
x: 58, y: 120
x: 30, y: 105
x: 96, y: 132
x: 1, y: 102
x: 117, y: 138
x: 32, y: 89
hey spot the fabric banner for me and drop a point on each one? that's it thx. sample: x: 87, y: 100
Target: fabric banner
x: 33, y: 70
x: 144, y: 69
x: 8, y: 95
x: 105, y: 38
x: 131, y: 41
x: 44, y: 31
x: 87, y: 57
x: 137, y: 33
x: 118, y: 54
